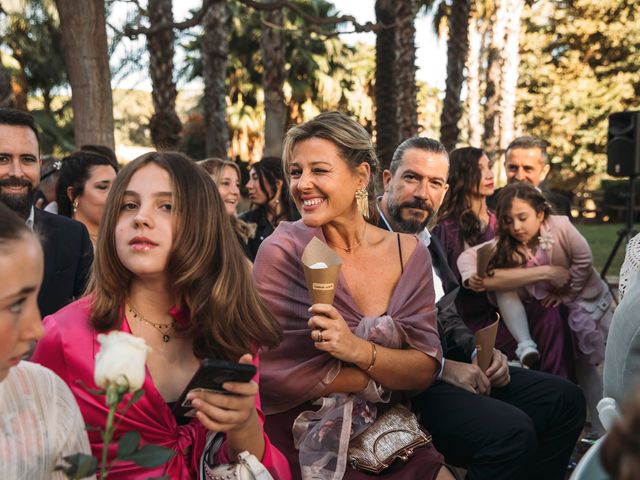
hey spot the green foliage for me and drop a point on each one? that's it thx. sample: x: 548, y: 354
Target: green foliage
x: 79, y: 465
x: 323, y: 73
x: 580, y: 62
x: 34, y: 38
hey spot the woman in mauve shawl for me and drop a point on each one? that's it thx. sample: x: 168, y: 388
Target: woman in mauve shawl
x: 340, y: 364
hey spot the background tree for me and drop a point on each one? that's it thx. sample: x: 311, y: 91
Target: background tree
x: 405, y: 68
x: 84, y: 39
x: 497, y: 27
x: 273, y: 50
x: 165, y: 125
x: 457, y: 51
x: 215, y: 51
x: 580, y: 62
x: 386, y: 106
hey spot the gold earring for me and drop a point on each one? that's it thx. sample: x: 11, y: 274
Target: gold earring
x: 362, y: 199
x: 75, y: 206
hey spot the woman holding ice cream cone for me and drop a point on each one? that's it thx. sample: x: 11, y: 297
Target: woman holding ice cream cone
x: 341, y: 365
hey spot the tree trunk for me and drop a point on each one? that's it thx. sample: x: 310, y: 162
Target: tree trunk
x: 215, y: 51
x: 84, y: 39
x: 272, y: 46
x: 510, y: 73
x: 493, y: 92
x: 385, y: 91
x: 473, y: 84
x: 457, y: 49
x: 6, y: 92
x: 405, y: 69
x: 165, y: 125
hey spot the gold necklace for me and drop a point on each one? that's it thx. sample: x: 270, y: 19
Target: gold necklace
x: 353, y: 247
x: 163, y: 328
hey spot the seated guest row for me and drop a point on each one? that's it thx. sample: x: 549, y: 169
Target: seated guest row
x: 170, y: 268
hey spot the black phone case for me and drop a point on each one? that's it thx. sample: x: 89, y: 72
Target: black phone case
x: 211, y: 375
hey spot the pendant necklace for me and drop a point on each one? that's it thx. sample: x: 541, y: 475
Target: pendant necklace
x: 352, y: 247
x: 163, y: 328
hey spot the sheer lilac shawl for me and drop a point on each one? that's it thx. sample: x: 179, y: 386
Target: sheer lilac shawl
x: 295, y: 371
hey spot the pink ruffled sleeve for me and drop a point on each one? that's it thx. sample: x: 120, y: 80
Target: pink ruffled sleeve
x: 273, y: 460
x: 468, y: 261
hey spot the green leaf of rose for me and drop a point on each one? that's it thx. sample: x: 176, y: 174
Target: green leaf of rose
x: 128, y: 444
x: 80, y: 466
x: 150, y: 456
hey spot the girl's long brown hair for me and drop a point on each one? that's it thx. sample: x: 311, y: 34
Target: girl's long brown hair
x: 207, y: 269
x: 508, y: 254
x: 464, y: 180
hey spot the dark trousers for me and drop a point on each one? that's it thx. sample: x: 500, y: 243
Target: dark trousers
x: 524, y: 430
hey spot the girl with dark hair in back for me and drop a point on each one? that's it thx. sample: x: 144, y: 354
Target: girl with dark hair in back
x: 83, y: 185
x: 529, y: 236
x: 270, y: 201
x: 169, y: 269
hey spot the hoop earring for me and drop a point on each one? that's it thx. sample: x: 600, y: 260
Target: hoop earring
x: 362, y: 200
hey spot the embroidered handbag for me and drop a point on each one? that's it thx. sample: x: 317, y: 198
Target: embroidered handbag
x: 394, y: 435
x: 248, y: 467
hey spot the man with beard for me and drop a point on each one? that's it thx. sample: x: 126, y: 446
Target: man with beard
x: 67, y: 249
x: 504, y: 423
x: 526, y: 160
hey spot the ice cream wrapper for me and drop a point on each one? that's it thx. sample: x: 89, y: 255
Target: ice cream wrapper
x: 321, y: 271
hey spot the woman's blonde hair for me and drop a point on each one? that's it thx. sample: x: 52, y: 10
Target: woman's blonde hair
x: 215, y: 167
x: 352, y: 140
x: 207, y: 269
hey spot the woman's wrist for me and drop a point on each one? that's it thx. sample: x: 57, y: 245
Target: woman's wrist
x: 366, y: 355
x: 248, y: 436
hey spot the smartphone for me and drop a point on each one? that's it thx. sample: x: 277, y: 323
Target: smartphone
x: 210, y: 377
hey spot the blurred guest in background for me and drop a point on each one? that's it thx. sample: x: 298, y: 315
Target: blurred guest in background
x: 270, y: 201
x: 226, y: 174
x: 83, y: 185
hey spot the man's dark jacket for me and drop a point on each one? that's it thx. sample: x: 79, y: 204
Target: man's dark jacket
x: 68, y: 255
x: 458, y: 342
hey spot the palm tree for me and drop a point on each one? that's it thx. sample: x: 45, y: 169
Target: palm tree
x: 510, y: 63
x: 491, y: 135
x: 84, y: 38
x: 457, y: 50
x: 215, y: 52
x: 473, y: 79
x: 165, y: 125
x: 273, y: 49
x: 405, y: 69
x: 385, y: 91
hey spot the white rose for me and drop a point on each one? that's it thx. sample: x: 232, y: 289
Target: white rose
x: 121, y: 360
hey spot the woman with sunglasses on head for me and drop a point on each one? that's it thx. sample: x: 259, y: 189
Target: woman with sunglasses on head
x: 341, y: 366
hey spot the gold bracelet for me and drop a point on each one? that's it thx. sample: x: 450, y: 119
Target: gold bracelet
x: 373, y: 357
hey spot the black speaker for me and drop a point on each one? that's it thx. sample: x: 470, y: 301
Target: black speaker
x: 623, y: 145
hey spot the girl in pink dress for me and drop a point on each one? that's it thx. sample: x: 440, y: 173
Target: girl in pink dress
x: 169, y: 269
x: 529, y: 236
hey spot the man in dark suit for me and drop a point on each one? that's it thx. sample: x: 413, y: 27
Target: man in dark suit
x: 526, y: 160
x: 67, y: 248
x: 507, y: 422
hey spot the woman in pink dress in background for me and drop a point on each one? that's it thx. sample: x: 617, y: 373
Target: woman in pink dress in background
x: 169, y: 269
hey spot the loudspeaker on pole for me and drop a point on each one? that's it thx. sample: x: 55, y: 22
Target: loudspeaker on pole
x: 623, y: 144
